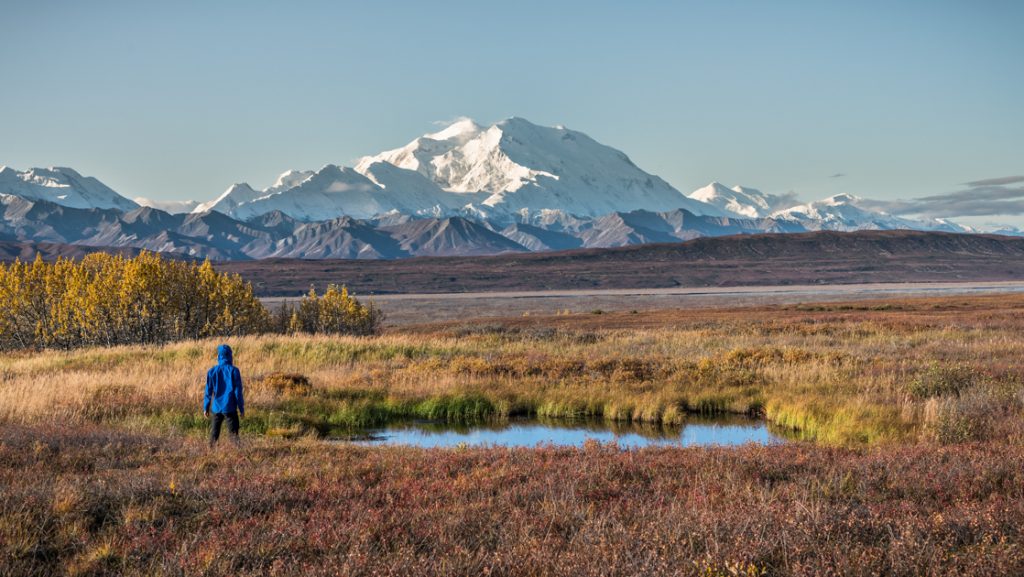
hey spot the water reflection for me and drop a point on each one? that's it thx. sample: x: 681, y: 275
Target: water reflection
x: 719, y: 431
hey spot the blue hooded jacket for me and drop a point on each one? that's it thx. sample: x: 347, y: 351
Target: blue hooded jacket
x: 223, y: 385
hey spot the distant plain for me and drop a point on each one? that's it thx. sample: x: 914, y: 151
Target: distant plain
x: 413, y: 308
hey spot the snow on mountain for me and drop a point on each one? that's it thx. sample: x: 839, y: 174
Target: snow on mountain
x: 465, y: 189
x: 62, y: 186
x: 524, y: 166
x: 419, y: 154
x: 410, y: 192
x: 288, y: 180
x: 334, y: 191
x: 839, y: 212
x: 941, y: 224
x: 642, y: 227
x: 742, y: 201
x: 328, y: 193
x: 515, y: 171
x: 168, y: 206
x: 997, y: 228
x: 236, y: 195
x: 843, y: 213
x: 549, y: 219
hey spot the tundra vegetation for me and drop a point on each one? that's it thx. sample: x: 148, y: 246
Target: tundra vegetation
x: 909, y: 415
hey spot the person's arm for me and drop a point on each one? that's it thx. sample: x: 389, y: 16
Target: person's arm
x: 239, y: 394
x: 207, y: 395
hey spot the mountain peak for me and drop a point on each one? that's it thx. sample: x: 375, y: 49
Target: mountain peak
x: 742, y: 201
x: 515, y: 164
x: 712, y: 187
x: 841, y: 199
x: 846, y: 212
x: 290, y: 179
x: 519, y: 121
x: 169, y: 206
x: 64, y: 170
x: 460, y: 128
x: 63, y: 186
x: 510, y: 171
x: 235, y: 195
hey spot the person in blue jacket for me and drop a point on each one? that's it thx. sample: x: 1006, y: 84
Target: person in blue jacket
x: 223, y: 395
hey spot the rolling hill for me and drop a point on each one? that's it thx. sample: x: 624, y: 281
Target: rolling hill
x: 768, y: 259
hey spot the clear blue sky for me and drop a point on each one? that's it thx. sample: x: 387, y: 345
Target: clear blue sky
x: 178, y: 100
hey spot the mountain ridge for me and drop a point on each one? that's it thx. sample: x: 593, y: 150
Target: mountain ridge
x: 512, y: 186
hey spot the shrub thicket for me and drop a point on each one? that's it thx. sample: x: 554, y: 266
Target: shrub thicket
x: 334, y: 312
x: 110, y: 300
x: 944, y: 380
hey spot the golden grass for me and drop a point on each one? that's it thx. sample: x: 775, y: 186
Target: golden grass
x: 837, y: 374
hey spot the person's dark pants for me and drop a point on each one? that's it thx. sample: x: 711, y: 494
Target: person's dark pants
x: 218, y: 418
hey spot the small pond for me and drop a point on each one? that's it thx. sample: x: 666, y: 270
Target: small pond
x: 723, y: 431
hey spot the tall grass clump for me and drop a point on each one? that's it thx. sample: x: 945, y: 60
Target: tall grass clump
x: 944, y: 380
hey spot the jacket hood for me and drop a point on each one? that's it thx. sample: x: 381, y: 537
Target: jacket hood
x: 224, y: 355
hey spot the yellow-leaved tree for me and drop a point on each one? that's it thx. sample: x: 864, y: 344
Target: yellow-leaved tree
x: 334, y: 312
x: 109, y: 300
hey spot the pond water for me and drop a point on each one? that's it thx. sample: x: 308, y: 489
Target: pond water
x: 724, y: 431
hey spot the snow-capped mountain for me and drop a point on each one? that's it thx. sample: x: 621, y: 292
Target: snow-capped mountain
x: 472, y: 171
x: 168, y: 206
x: 63, y: 186
x: 419, y: 154
x: 515, y: 165
x: 467, y: 189
x: 742, y: 201
x: 843, y: 212
x: 335, y: 191
x: 1000, y: 229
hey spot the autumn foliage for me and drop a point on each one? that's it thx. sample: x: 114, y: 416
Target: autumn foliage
x: 107, y: 300
x: 333, y: 312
